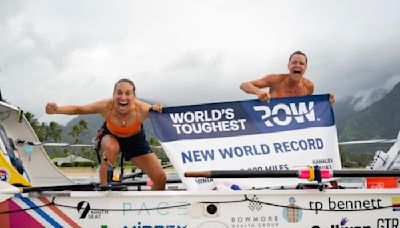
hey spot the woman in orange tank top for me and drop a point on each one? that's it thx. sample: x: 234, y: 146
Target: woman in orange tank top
x: 121, y: 131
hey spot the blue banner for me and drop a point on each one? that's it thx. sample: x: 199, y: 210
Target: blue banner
x: 248, y: 117
x: 284, y: 134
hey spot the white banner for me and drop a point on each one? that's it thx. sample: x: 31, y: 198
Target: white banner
x: 284, y: 134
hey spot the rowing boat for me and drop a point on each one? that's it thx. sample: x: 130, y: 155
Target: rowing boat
x: 42, y: 196
x: 249, y: 208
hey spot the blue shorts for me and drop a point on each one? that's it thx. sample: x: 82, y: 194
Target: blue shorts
x: 131, y: 146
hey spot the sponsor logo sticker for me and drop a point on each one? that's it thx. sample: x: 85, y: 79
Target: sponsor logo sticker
x: 4, y: 174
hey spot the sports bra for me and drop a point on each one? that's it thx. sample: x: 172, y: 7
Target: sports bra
x: 122, y: 130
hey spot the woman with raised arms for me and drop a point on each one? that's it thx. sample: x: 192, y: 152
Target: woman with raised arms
x: 121, y: 131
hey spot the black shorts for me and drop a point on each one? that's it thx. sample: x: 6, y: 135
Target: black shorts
x: 131, y: 146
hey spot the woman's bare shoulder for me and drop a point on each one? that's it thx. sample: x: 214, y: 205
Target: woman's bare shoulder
x: 104, y: 105
x: 141, y: 105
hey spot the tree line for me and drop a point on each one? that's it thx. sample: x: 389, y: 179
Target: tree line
x: 52, y: 132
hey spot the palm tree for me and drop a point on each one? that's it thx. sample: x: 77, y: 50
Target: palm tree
x: 53, y: 131
x: 74, y: 133
x: 83, y: 125
x: 78, y: 129
x: 41, y: 132
x: 39, y: 128
x: 32, y: 120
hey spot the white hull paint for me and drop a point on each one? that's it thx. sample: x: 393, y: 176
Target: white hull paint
x: 37, y: 164
x: 240, y: 209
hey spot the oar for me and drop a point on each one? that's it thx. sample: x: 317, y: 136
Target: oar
x: 22, y: 142
x: 7, y: 188
x: 62, y: 144
x: 303, y: 173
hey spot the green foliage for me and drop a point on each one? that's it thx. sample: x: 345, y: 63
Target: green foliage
x: 39, y: 128
x: 374, y: 122
x: 380, y: 120
x: 360, y: 155
x: 161, y: 155
x: 32, y: 120
x: 53, y: 132
x: 77, y: 130
x: 43, y: 131
x: 154, y: 141
x: 65, y: 152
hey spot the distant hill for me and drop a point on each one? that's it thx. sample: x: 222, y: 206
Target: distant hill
x: 343, y: 110
x: 379, y: 120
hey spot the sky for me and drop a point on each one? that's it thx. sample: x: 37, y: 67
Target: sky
x: 184, y: 52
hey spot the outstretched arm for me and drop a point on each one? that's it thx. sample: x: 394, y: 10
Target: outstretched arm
x: 97, y: 107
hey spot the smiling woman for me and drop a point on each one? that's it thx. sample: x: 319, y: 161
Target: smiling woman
x: 121, y: 131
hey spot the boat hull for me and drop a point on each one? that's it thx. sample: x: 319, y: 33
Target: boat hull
x: 239, y: 209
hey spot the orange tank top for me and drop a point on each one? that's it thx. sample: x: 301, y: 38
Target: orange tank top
x: 122, y: 130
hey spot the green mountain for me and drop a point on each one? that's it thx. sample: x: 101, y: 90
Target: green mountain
x: 379, y: 120
x: 343, y: 110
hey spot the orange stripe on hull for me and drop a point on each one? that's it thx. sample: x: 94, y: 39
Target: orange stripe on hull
x: 59, y: 213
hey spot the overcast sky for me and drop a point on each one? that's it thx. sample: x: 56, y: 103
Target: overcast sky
x: 188, y: 52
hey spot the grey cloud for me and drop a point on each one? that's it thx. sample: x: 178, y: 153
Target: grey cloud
x: 195, y: 60
x: 359, y: 70
x: 8, y: 9
x: 364, y: 98
x: 194, y: 77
